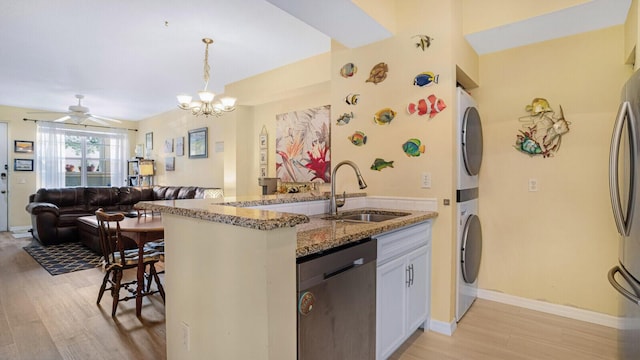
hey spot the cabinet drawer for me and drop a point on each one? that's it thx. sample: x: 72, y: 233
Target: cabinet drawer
x: 401, y: 241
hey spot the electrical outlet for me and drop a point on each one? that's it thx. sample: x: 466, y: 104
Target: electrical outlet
x: 426, y: 180
x: 186, y: 336
x: 533, y: 185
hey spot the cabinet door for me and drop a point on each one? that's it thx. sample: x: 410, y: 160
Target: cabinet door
x: 391, y: 289
x: 418, y: 291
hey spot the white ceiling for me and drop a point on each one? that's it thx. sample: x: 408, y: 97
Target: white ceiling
x: 130, y: 58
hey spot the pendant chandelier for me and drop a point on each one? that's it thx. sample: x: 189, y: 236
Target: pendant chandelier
x: 206, y: 105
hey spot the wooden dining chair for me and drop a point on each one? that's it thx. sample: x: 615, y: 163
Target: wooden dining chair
x: 116, y: 259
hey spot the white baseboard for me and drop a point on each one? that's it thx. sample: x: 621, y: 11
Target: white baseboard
x: 555, y: 309
x: 19, y: 229
x: 442, y: 327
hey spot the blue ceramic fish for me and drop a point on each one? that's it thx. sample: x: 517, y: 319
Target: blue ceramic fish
x: 384, y: 116
x: 413, y: 147
x: 344, y: 118
x: 425, y: 79
x: 379, y: 164
x: 358, y: 138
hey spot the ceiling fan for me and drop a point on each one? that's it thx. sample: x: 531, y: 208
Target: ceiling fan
x: 78, y: 114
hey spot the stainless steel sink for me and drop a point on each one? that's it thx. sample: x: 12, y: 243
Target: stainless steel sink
x: 364, y: 217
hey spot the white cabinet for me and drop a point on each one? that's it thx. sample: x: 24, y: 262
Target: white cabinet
x: 403, y: 285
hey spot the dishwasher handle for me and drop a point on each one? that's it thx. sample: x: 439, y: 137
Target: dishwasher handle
x: 319, y: 269
x: 341, y: 269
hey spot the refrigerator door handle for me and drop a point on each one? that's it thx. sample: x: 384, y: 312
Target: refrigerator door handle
x: 626, y: 293
x: 623, y: 223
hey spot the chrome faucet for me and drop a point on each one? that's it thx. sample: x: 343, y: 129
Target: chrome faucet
x: 335, y: 204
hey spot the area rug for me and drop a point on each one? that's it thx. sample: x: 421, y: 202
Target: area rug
x: 63, y: 258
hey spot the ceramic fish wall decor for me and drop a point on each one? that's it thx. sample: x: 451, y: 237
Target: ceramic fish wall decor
x: 379, y: 164
x: 352, y: 99
x: 543, y: 129
x: 358, y: 138
x: 413, y: 147
x: 378, y: 73
x: 348, y: 70
x: 344, y: 118
x: 384, y: 116
x: 432, y: 105
x: 424, y: 41
x: 425, y: 79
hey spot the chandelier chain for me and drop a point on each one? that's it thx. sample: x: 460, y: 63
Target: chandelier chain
x: 207, y: 68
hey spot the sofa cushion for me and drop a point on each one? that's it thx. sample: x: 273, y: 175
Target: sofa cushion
x: 63, y: 197
x: 101, y: 196
x: 172, y: 192
x: 187, y: 192
x: 159, y: 192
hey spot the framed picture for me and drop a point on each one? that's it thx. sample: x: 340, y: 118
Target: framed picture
x: 140, y: 151
x: 23, y: 164
x: 263, y: 171
x: 198, y: 143
x: 149, y: 140
x: 21, y: 146
x: 263, y: 157
x: 170, y: 163
x: 168, y: 145
x: 263, y: 141
x: 180, y: 146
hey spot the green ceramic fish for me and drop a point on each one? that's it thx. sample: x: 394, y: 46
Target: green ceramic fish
x: 413, y: 147
x: 379, y: 164
x: 384, y: 116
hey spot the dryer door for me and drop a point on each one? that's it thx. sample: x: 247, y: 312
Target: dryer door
x: 472, y: 141
x: 471, y: 249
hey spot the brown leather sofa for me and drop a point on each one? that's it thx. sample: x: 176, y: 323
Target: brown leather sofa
x: 54, y: 212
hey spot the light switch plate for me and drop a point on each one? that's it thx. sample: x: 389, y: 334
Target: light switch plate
x: 426, y: 180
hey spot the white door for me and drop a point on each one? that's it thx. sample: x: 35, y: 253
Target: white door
x: 417, y: 308
x: 390, y: 306
x: 4, y: 171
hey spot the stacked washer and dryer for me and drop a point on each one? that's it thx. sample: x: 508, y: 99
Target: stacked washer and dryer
x: 469, y: 231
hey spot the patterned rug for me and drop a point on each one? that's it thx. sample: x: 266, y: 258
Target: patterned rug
x: 63, y: 258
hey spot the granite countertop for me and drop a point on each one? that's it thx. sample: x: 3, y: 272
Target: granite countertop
x: 315, y: 233
x: 208, y: 209
x: 234, y: 210
x: 322, y: 234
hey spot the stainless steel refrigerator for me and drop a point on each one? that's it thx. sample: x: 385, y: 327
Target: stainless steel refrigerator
x: 624, y: 185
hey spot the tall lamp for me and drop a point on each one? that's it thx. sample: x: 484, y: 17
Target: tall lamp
x: 147, y: 170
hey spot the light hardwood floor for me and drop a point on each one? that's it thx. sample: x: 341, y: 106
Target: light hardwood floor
x: 497, y: 331
x: 56, y: 317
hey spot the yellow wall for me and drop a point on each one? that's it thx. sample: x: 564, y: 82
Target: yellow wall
x: 19, y: 129
x: 208, y: 171
x: 631, y: 35
x: 556, y: 244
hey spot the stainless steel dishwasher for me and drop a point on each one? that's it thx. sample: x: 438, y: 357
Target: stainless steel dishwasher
x: 337, y: 303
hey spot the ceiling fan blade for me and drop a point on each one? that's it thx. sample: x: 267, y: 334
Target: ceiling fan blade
x: 62, y: 119
x: 104, y: 118
x: 96, y: 120
x: 46, y: 112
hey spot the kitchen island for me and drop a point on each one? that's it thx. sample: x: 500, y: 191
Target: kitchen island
x: 231, y: 275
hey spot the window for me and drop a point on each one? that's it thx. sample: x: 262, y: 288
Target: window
x: 67, y: 157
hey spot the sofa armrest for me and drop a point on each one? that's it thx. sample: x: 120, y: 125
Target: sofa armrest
x: 36, y: 208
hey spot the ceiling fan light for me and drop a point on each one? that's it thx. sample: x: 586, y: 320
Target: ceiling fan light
x: 184, y: 101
